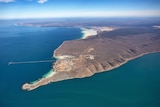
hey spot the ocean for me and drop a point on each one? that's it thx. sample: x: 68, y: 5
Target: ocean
x: 134, y: 84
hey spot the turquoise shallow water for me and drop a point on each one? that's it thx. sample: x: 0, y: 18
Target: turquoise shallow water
x: 135, y: 84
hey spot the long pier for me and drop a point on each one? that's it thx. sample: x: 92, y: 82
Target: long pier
x: 29, y: 62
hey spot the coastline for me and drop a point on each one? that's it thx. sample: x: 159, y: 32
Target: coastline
x: 130, y: 59
x: 87, y: 32
x: 58, y: 75
x: 44, y: 81
x: 93, y: 31
x: 49, y: 74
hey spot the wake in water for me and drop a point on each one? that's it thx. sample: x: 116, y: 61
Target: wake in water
x: 30, y: 62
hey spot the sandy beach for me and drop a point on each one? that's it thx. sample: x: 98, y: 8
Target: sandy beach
x: 88, y: 32
x: 49, y: 74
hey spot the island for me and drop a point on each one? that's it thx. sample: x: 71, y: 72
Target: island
x: 102, y: 49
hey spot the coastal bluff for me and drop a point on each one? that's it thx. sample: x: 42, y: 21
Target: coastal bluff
x: 103, y: 52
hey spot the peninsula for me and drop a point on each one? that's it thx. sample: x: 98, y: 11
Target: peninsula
x: 106, y: 50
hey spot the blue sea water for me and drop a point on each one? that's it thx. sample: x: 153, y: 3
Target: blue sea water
x: 135, y: 84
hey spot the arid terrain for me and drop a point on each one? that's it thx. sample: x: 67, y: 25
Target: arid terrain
x: 102, y: 52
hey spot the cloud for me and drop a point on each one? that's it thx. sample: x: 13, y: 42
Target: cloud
x: 7, y: 1
x: 42, y: 1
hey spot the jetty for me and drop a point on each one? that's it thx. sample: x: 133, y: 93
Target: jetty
x: 30, y: 62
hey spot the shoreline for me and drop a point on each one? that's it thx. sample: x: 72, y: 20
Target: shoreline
x: 130, y: 59
x: 35, y: 84
x: 49, y: 74
x: 58, y: 75
x: 87, y: 32
x: 93, y: 31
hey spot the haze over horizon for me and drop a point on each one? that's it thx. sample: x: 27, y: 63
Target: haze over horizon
x: 13, y: 9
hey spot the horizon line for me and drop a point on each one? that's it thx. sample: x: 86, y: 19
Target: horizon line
x: 81, y: 17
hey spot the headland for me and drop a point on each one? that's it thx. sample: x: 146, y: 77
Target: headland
x: 101, y: 49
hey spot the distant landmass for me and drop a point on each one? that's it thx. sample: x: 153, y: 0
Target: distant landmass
x: 103, y: 48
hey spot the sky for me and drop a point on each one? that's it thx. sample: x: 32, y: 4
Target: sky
x: 17, y: 9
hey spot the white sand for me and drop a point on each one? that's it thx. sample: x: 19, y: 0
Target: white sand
x: 64, y: 56
x: 94, y: 31
x: 49, y: 74
x: 88, y: 32
x: 60, y: 57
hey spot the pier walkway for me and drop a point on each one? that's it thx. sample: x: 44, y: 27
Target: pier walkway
x: 29, y: 62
